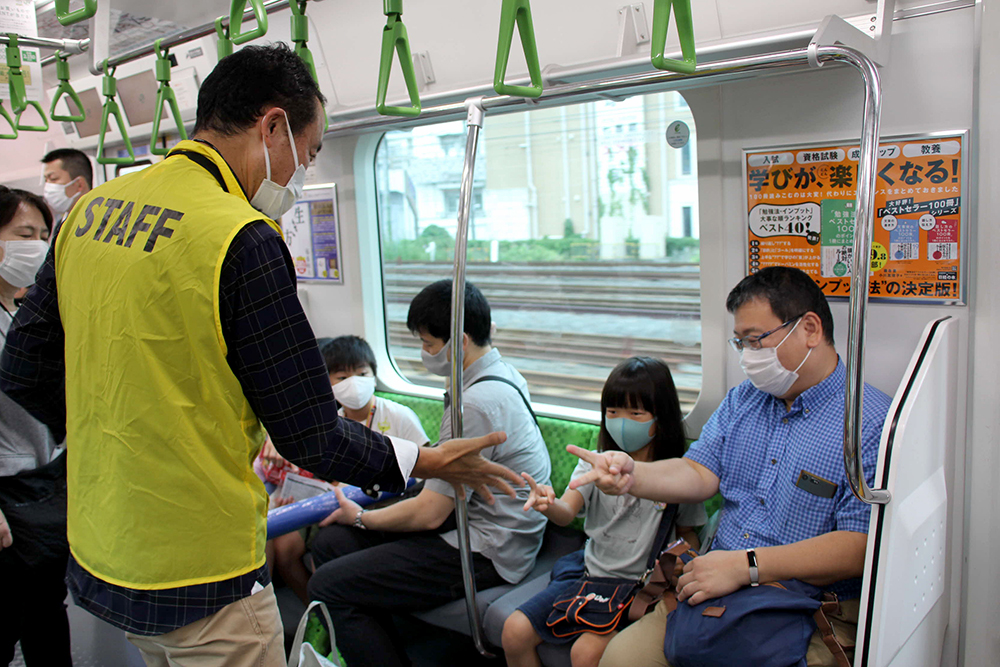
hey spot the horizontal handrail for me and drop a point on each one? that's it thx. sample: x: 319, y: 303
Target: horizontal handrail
x: 72, y: 46
x: 168, y: 42
x: 705, y: 74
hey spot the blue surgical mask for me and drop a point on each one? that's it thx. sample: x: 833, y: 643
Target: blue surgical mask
x: 629, y: 434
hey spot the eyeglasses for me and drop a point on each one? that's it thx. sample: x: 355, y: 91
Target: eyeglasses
x: 753, y: 342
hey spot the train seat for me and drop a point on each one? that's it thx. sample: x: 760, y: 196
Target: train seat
x: 497, y: 603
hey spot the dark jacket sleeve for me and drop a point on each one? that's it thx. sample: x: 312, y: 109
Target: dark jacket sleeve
x: 33, y: 363
x: 273, y: 353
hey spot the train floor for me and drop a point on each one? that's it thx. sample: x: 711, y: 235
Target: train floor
x: 426, y: 645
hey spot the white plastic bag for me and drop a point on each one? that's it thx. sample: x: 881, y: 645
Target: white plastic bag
x: 303, y: 654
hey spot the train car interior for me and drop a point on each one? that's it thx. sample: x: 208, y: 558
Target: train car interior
x: 605, y: 173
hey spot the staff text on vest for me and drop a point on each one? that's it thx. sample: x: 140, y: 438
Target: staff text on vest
x: 125, y: 210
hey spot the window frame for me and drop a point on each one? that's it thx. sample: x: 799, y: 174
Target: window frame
x: 713, y: 251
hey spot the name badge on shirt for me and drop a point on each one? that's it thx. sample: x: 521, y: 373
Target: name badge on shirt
x: 816, y: 485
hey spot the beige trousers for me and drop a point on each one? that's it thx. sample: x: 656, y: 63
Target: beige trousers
x: 641, y: 644
x: 246, y: 633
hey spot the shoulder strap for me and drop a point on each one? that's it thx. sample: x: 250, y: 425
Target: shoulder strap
x: 497, y: 378
x: 205, y: 163
x: 667, y: 522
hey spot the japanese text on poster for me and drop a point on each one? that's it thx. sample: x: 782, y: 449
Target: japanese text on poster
x: 311, y: 230
x: 800, y: 213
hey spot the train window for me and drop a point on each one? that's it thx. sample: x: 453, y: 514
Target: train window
x: 583, y: 236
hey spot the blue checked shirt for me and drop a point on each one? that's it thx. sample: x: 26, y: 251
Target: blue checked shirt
x: 758, y: 449
x: 272, y: 352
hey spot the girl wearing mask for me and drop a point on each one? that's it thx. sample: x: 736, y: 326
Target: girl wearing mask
x: 641, y: 415
x: 351, y: 365
x: 33, y: 549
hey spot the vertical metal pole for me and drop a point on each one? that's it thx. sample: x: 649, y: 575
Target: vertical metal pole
x: 474, y: 120
x: 864, y: 220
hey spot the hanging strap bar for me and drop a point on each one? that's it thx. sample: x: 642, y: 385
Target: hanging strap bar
x: 236, y: 33
x: 65, y: 88
x: 685, y: 32
x: 474, y: 120
x: 66, y: 17
x: 110, y: 89
x: 15, y: 77
x: 394, y: 38
x: 37, y: 106
x: 300, y: 37
x: 517, y: 11
x: 164, y: 94
x: 10, y: 121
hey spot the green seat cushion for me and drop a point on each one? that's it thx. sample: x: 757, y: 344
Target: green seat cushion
x: 428, y: 411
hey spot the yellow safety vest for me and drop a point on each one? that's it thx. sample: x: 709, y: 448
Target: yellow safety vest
x: 160, y: 437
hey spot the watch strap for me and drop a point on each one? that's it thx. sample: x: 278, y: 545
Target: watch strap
x: 754, y: 572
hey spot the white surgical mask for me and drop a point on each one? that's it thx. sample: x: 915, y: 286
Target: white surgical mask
x: 56, y: 198
x: 275, y: 200
x: 629, y: 434
x: 354, y: 392
x: 21, y: 261
x: 765, y: 370
x: 438, y: 364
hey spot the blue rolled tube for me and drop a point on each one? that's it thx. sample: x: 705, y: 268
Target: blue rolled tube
x: 281, y: 520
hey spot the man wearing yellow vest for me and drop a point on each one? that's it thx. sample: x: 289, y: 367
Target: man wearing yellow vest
x: 166, y: 314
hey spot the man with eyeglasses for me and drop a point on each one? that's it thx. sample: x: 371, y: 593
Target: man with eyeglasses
x: 774, y: 449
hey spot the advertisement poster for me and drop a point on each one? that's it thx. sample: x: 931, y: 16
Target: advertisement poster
x: 800, y: 213
x: 312, y: 233
x: 18, y: 16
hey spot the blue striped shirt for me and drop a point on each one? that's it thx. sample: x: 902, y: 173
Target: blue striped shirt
x: 758, y: 449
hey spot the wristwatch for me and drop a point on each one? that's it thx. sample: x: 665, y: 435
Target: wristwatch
x: 751, y: 560
x: 359, y: 524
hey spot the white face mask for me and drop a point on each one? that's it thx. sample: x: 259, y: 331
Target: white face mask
x: 354, y: 392
x: 21, y: 261
x: 765, y: 370
x: 438, y: 364
x: 275, y: 200
x: 56, y: 198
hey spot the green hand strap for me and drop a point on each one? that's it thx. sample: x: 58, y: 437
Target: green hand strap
x: 225, y: 45
x: 15, y: 78
x: 394, y: 38
x: 10, y: 121
x: 300, y: 37
x: 685, y: 32
x: 32, y: 104
x: 517, y: 11
x: 62, y: 72
x: 164, y: 94
x: 236, y: 33
x: 66, y: 17
x: 110, y: 89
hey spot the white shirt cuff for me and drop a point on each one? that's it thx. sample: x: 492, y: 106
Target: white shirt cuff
x: 406, y: 455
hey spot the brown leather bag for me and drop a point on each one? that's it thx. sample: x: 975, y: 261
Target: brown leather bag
x: 660, y: 581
